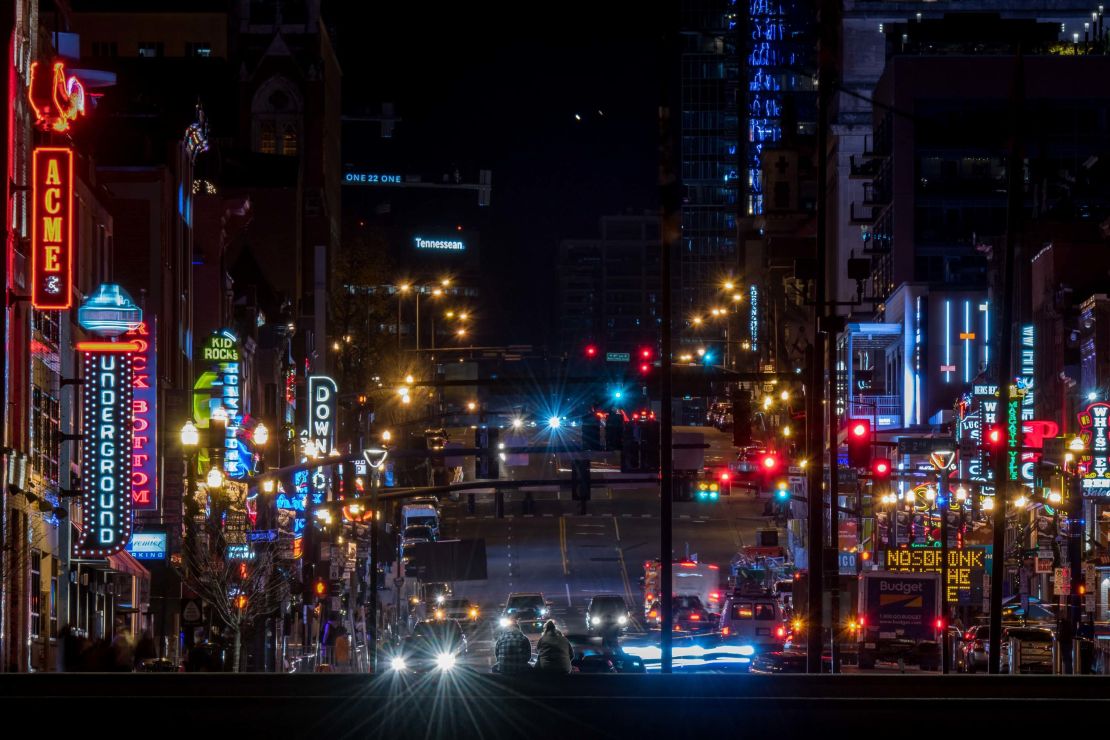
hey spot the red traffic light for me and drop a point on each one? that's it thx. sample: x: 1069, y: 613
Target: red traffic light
x: 645, y: 353
x: 859, y: 443
x: 724, y: 476
x: 645, y: 368
x: 860, y: 428
x: 769, y: 462
x: 880, y: 468
x: 591, y: 351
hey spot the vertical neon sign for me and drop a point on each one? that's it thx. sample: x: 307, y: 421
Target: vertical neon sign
x: 106, y: 397
x: 144, y: 409
x: 52, y: 228
x: 1094, y: 425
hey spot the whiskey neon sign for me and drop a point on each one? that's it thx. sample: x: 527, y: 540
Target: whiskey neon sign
x: 52, y: 228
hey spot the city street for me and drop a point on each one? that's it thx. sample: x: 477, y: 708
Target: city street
x: 570, y: 557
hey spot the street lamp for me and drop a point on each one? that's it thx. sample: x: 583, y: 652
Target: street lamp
x: 261, y: 434
x: 215, y: 478
x: 190, y: 437
x: 1077, y: 445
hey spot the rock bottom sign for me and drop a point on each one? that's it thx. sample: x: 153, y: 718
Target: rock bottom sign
x: 106, y: 450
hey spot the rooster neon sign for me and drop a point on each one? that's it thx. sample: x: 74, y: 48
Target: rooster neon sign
x: 66, y: 100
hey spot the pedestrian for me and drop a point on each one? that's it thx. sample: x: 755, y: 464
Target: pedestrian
x: 554, y: 652
x: 512, y: 651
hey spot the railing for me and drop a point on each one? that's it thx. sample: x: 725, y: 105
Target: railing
x: 870, y: 406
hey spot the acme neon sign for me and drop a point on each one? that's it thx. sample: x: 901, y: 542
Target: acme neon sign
x: 52, y: 228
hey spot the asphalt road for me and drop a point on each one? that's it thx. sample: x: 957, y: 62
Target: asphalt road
x: 570, y: 557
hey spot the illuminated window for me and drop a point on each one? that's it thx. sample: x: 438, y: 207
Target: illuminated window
x: 45, y: 434
x: 151, y: 49
x: 267, y: 138
x: 46, y: 326
x: 36, y: 592
x: 289, y: 141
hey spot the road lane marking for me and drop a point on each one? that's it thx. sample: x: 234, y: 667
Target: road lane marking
x: 563, y: 544
x: 568, y: 593
x: 620, y: 556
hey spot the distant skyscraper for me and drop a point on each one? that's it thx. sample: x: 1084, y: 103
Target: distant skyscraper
x: 711, y: 169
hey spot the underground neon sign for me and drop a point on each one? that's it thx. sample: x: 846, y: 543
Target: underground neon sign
x: 107, y: 396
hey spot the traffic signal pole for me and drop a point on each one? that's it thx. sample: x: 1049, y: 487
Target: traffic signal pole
x: 670, y: 234
x: 1004, y: 369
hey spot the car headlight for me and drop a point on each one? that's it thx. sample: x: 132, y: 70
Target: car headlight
x: 439, y: 599
x: 543, y: 612
x: 595, y: 621
x: 440, y: 614
x: 622, y: 620
x: 398, y: 663
x: 445, y: 661
x: 473, y: 613
x: 504, y: 621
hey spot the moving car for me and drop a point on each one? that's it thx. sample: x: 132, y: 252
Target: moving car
x: 687, y: 615
x: 784, y: 661
x: 463, y: 610
x: 758, y: 621
x: 423, y: 512
x: 528, y: 610
x: 434, y: 645
x: 607, y: 612
x: 418, y: 533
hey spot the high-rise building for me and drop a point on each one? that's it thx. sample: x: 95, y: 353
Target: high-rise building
x: 712, y: 154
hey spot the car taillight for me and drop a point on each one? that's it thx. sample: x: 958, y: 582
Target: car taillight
x: 862, y: 622
x: 695, y: 617
x: 714, y: 596
x: 780, y: 632
x: 653, y: 614
x: 726, y: 631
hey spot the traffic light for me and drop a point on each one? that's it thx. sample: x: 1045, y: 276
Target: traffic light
x: 320, y: 588
x: 880, y: 476
x: 782, y: 499
x: 644, y: 356
x: 591, y: 351
x: 708, y: 491
x: 488, y: 463
x: 768, y: 464
x: 724, y: 482
x: 859, y: 443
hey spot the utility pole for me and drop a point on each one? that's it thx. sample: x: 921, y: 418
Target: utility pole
x: 1004, y: 370
x: 944, y: 500
x: 670, y: 233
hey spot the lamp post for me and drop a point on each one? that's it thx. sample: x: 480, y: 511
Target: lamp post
x: 401, y: 290
x: 190, y: 440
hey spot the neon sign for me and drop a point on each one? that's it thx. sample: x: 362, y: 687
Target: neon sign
x: 373, y: 178
x: 52, y: 228
x: 144, y: 412
x: 448, y: 245
x: 1093, y: 429
x: 963, y: 565
x: 66, y: 99
x: 109, y: 312
x: 106, y: 451
x: 220, y: 347
x: 323, y: 395
x: 753, y: 316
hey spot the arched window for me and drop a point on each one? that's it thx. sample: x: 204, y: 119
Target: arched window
x: 276, y: 111
x: 289, y: 141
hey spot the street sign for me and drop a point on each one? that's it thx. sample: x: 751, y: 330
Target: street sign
x: 847, y: 563
x: 1044, y: 562
x: 1061, y: 582
x: 190, y: 612
x: 262, y: 535
x: 922, y: 445
x: 618, y: 357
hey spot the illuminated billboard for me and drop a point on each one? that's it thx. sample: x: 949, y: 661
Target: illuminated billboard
x: 440, y: 245
x: 1095, y: 465
x: 106, y: 482
x: 52, y: 228
x: 965, y: 566
x: 144, y: 412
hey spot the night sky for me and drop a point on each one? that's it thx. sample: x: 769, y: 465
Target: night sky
x: 498, y: 87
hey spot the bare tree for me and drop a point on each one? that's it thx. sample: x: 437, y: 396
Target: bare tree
x: 241, y: 582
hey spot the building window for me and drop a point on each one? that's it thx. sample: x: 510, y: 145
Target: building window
x: 267, y: 140
x: 289, y: 141
x: 46, y: 324
x: 36, y: 593
x: 45, y: 434
x: 198, y: 49
x: 151, y: 49
x: 53, y: 606
x: 104, y: 49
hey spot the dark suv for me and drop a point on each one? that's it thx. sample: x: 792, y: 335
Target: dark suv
x: 606, y: 613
